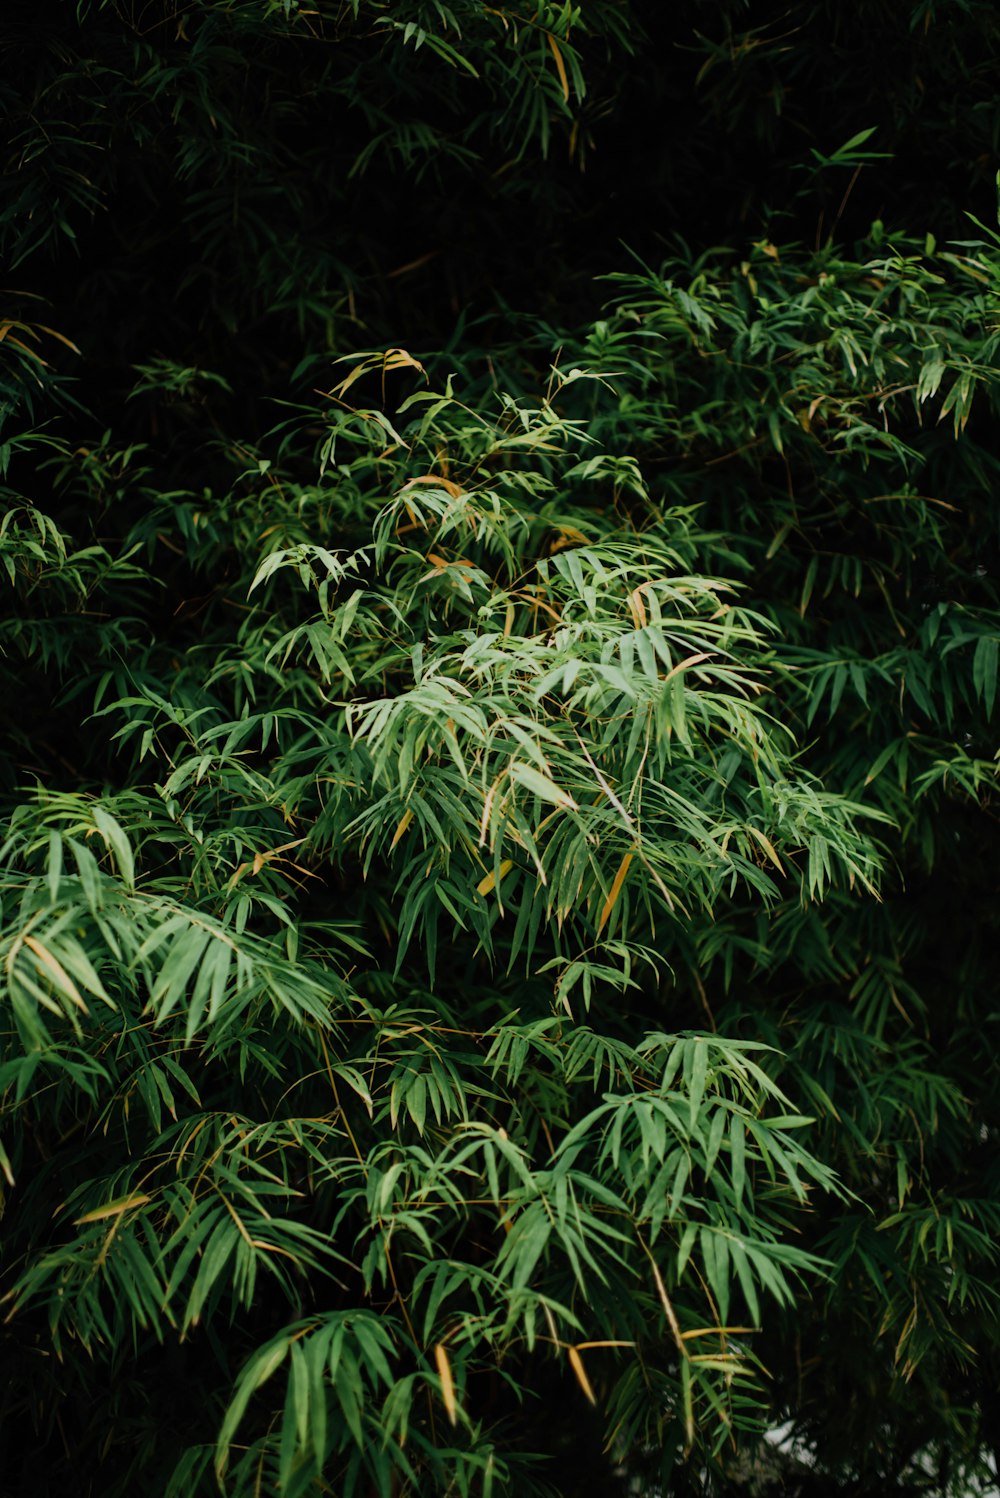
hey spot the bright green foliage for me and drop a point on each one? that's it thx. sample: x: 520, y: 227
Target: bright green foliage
x: 539, y: 764
x: 495, y: 886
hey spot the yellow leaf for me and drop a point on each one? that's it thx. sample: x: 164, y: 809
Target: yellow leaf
x: 404, y: 822
x: 447, y: 1382
x: 576, y: 1363
x: 57, y: 972
x: 692, y: 660
x: 567, y: 535
x: 402, y: 270
x: 260, y: 859
x: 23, y: 346
x: 768, y: 847
x: 346, y: 383
x: 560, y: 66
x: 61, y: 337
x: 437, y: 482
x: 717, y: 1331
x: 636, y: 607
x: 616, y: 888
x: 486, y: 885
x: 394, y: 358
x: 114, y: 1209
x: 398, y: 358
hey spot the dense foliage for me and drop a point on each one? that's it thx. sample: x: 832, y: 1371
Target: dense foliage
x: 500, y: 648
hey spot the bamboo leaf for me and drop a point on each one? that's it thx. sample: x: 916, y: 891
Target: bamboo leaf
x: 580, y: 1374
x: 114, y: 1209
x: 447, y: 1382
x: 614, y: 892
